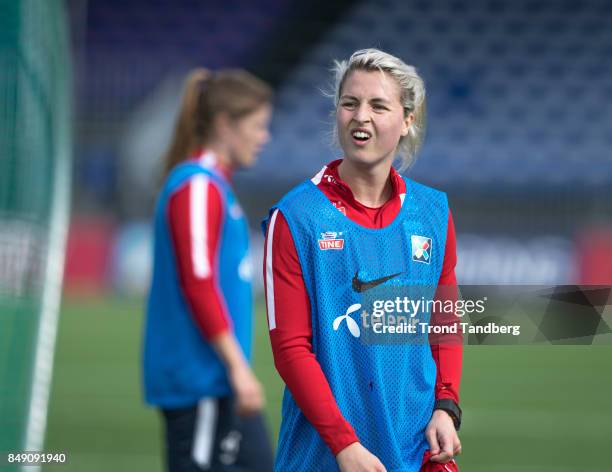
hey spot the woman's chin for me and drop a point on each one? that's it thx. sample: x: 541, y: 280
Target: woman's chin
x: 246, y: 161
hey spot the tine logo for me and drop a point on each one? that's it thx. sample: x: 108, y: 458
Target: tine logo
x: 329, y: 235
x: 330, y: 240
x: 352, y: 325
x: 361, y: 285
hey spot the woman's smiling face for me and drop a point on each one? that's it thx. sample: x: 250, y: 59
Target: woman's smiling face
x: 370, y: 118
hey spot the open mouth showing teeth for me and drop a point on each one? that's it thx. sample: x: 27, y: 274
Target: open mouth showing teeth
x: 361, y: 135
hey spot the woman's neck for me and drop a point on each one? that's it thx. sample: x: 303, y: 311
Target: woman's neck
x: 221, y: 159
x: 220, y: 152
x: 371, y: 185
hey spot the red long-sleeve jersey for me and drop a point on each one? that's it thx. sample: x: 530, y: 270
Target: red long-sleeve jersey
x: 195, y: 213
x: 291, y: 335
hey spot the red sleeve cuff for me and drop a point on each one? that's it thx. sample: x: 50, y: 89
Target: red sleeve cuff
x: 448, y: 393
x: 342, y: 438
x: 211, y: 334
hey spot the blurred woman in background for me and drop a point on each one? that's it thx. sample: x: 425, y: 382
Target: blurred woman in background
x: 198, y: 330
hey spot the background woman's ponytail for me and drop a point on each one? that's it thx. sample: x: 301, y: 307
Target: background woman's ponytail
x: 189, y: 129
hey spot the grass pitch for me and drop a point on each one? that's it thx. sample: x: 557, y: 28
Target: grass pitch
x: 526, y: 409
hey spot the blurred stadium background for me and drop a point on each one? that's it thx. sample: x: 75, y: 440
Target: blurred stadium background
x: 519, y: 135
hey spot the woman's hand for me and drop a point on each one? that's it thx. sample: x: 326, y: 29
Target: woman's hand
x: 356, y: 458
x: 442, y: 436
x: 247, y: 389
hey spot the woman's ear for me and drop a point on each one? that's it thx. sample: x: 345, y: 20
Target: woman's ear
x: 407, y: 123
x: 221, y: 125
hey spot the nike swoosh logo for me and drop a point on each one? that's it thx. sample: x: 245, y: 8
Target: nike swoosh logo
x: 361, y: 286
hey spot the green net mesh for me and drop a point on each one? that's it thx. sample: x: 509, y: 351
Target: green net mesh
x: 35, y: 137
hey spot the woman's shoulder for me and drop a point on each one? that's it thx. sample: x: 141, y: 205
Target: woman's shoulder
x: 420, y: 189
x: 424, y: 199
x: 186, y: 172
x: 297, y: 193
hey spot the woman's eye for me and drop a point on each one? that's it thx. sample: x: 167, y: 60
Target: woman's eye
x: 348, y: 104
x: 379, y: 107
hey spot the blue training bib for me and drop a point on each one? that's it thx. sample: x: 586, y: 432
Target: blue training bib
x: 384, y: 390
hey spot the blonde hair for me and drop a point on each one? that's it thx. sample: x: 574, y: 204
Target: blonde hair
x: 412, y: 94
x: 206, y: 94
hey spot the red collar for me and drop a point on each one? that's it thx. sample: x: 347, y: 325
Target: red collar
x: 331, y: 178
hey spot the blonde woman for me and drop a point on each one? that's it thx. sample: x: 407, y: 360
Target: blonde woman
x: 358, y: 226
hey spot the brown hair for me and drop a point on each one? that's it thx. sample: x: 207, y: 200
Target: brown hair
x: 234, y: 92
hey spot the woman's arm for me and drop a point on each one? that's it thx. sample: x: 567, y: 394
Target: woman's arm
x: 289, y: 319
x: 195, y: 213
x: 447, y: 351
x: 195, y: 216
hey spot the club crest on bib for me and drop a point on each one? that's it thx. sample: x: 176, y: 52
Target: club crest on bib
x: 421, y: 249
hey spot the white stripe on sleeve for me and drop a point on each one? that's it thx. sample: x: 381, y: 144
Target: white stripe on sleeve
x: 317, y: 178
x: 198, y: 217
x: 269, y: 273
x: 204, y: 435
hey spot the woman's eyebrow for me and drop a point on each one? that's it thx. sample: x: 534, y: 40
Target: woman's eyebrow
x: 379, y: 100
x: 375, y: 99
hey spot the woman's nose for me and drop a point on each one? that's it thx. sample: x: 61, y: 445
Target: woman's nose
x: 362, y: 114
